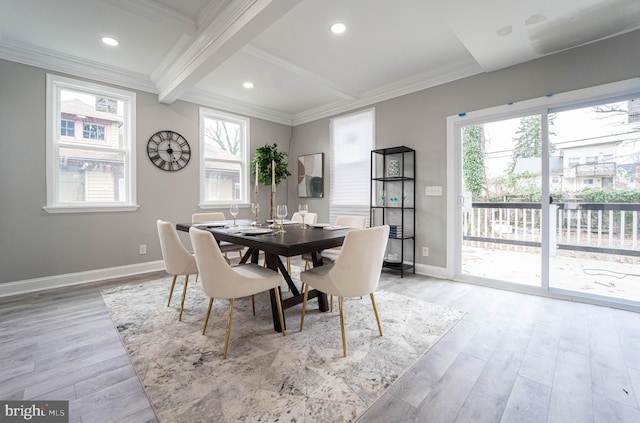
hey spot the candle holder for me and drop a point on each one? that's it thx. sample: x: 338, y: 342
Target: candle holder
x: 255, y: 208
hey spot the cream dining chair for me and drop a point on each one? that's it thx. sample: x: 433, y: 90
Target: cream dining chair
x: 225, y: 247
x: 177, y: 259
x: 329, y: 255
x: 356, y: 272
x: 220, y: 280
x: 309, y: 219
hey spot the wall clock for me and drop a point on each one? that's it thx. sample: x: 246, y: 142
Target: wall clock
x: 168, y: 150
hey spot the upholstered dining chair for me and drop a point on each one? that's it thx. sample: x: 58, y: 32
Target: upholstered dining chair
x: 329, y: 255
x: 355, y: 273
x: 309, y: 219
x: 225, y: 247
x: 220, y: 280
x: 177, y: 259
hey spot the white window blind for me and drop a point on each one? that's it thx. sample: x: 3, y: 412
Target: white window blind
x: 352, y: 139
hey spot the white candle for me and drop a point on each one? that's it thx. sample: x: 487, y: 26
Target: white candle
x: 273, y: 173
x: 256, y: 176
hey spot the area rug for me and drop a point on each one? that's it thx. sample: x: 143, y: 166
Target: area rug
x: 302, y: 377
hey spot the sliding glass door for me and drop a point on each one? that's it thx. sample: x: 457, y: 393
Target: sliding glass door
x: 502, y: 188
x: 594, y: 179
x: 550, y: 200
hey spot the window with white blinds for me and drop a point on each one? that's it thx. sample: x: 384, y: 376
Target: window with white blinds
x: 352, y: 139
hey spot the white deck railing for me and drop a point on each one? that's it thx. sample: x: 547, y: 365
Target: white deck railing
x: 604, y: 228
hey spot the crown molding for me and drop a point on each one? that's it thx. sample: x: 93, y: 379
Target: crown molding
x: 329, y: 85
x: 211, y: 11
x: 154, y: 11
x: 228, y: 104
x: 449, y: 73
x: 59, y: 62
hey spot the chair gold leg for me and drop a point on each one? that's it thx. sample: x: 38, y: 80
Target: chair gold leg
x: 304, y: 304
x: 184, y: 294
x: 206, y: 319
x: 344, y: 340
x: 289, y: 265
x: 226, y: 339
x: 331, y: 303
x: 375, y: 310
x: 277, y: 294
x: 253, y: 305
x: 173, y: 284
x: 307, y: 265
x: 197, y: 274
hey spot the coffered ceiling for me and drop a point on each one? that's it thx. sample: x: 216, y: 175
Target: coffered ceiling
x: 204, y: 50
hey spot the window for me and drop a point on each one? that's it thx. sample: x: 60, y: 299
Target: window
x: 592, y: 159
x: 352, y: 139
x: 67, y: 128
x: 95, y: 172
x: 587, y: 181
x: 224, y: 169
x: 574, y: 161
x: 92, y: 131
x: 607, y: 157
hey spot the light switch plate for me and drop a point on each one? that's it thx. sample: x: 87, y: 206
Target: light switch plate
x: 433, y: 191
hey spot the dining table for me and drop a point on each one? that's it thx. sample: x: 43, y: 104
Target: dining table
x: 295, y: 241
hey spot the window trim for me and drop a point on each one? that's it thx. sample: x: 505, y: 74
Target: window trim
x: 55, y: 83
x: 245, y: 122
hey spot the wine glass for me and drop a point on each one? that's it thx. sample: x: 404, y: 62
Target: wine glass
x: 281, y: 212
x: 233, y: 209
x: 303, y: 209
x: 255, y: 209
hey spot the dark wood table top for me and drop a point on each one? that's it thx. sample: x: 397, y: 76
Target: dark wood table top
x: 294, y: 242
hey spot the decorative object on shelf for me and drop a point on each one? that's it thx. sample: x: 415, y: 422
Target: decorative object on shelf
x: 168, y: 150
x: 383, y: 198
x: 271, y: 168
x: 393, y: 168
x: 311, y: 175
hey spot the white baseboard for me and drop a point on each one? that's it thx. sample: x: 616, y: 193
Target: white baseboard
x: 69, y: 279
x: 434, y: 271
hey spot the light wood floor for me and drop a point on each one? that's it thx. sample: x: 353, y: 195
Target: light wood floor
x: 512, y: 358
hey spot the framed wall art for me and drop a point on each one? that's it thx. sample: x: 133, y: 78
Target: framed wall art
x: 311, y: 175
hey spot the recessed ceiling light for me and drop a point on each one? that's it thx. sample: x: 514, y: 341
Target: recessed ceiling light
x: 248, y: 85
x: 110, y: 41
x: 338, y: 28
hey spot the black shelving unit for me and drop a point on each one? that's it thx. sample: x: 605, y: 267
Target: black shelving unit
x: 393, y: 195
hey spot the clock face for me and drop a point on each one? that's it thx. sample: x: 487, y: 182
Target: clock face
x: 168, y: 150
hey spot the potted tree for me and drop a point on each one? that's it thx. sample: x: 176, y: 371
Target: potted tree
x: 265, y: 158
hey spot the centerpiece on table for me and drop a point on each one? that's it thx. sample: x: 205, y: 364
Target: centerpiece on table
x: 271, y: 168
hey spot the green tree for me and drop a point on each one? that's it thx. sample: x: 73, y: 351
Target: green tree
x: 529, y: 140
x: 473, y: 156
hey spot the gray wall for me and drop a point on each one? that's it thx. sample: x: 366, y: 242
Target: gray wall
x: 418, y: 120
x: 34, y: 243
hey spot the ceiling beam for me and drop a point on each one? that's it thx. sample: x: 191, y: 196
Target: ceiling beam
x: 221, y: 38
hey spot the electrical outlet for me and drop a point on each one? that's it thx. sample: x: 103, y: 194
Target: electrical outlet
x: 425, y: 251
x: 143, y: 248
x: 433, y: 191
